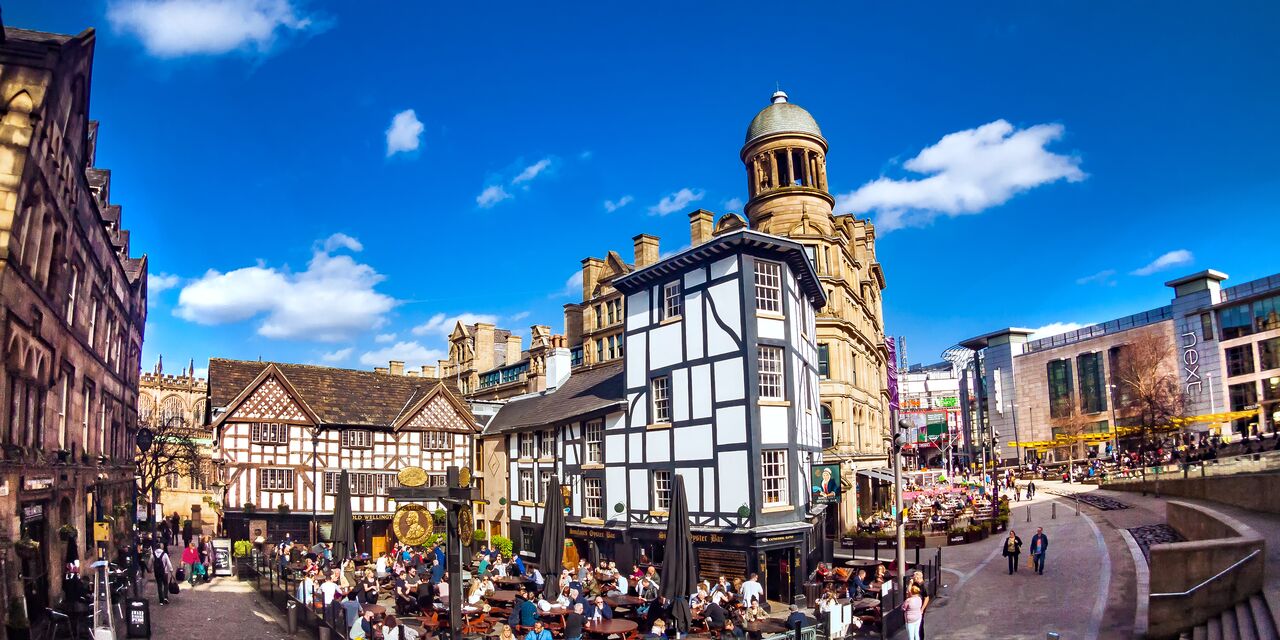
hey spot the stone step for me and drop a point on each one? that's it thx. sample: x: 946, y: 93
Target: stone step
x: 1244, y: 621
x: 1262, y: 617
x: 1229, y: 628
x: 1200, y: 633
x: 1215, y: 629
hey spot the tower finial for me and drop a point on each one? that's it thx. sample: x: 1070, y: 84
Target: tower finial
x: 779, y: 96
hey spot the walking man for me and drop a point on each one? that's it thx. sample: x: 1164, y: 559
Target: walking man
x: 1039, y: 544
x: 1012, y: 549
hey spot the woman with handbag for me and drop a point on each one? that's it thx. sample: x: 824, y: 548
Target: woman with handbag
x: 190, y: 557
x: 163, y: 570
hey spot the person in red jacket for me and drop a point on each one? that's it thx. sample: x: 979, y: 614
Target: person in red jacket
x: 190, y: 556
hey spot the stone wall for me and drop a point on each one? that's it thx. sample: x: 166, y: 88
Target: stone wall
x: 1256, y: 492
x: 1215, y: 542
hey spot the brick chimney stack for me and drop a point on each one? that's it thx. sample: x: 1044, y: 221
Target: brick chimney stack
x: 646, y: 250
x: 701, y: 227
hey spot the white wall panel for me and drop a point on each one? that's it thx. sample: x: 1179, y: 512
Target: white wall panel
x: 658, y: 445
x: 636, y: 345
x: 665, y: 346
x: 693, y: 443
x: 615, y: 449
x: 639, y: 488
x: 617, y: 420
x: 636, y: 445
x: 724, y: 267
x: 773, y: 425
x: 680, y: 395
x: 709, y: 488
x: 639, y: 415
x: 615, y: 489
x: 729, y: 374
x: 731, y: 426
x: 638, y: 309
x: 771, y: 328
x: 701, y: 375
x: 691, y: 483
x: 693, y: 325
x: 733, y: 486
x: 695, y: 277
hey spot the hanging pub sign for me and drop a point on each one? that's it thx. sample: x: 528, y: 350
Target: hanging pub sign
x: 825, y: 483
x: 32, y: 512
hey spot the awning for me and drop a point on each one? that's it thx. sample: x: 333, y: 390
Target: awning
x: 883, y: 474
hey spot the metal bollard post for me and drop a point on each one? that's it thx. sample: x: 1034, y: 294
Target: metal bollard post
x: 1028, y: 513
x: 1054, y: 515
x: 291, y: 616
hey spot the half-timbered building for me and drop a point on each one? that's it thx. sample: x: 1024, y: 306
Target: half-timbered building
x: 284, y: 432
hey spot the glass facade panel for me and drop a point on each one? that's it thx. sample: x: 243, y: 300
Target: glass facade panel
x: 1240, y: 360
x: 1266, y: 314
x: 824, y: 360
x: 1089, y: 366
x: 1243, y: 396
x: 1235, y: 322
x: 1059, y: 388
x: 1271, y: 388
x: 1269, y: 354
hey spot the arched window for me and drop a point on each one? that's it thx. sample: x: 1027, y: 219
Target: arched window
x: 146, y: 408
x: 199, y: 413
x: 828, y: 433
x: 172, y: 409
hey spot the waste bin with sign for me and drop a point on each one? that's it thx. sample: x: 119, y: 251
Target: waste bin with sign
x: 138, y: 617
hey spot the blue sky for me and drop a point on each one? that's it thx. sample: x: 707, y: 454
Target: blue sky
x: 1042, y: 162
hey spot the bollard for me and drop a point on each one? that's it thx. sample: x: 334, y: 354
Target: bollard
x: 323, y: 632
x: 1028, y: 513
x: 291, y: 616
x: 1077, y: 505
x: 1054, y: 515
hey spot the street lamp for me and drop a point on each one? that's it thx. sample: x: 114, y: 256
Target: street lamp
x: 1017, y: 449
x: 899, y: 440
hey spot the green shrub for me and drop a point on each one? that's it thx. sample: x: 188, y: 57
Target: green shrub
x: 503, y: 544
x: 242, y: 548
x: 479, y: 535
x: 440, y: 516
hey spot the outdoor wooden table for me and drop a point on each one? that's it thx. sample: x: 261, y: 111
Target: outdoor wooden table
x: 377, y: 609
x: 865, y: 603
x: 501, y: 597
x: 768, y: 625
x: 610, y: 627
x: 510, y: 582
x: 623, y: 601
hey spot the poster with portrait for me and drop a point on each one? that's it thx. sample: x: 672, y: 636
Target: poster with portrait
x: 824, y: 482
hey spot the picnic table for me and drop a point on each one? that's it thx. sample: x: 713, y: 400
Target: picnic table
x: 862, y: 604
x: 510, y: 582
x: 377, y: 609
x: 768, y: 625
x: 623, y: 601
x: 501, y: 597
x: 617, y: 626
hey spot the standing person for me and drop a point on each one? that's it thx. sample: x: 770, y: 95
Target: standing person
x: 163, y: 569
x: 1012, y: 549
x: 175, y: 527
x: 913, y: 612
x: 1039, y: 545
x: 917, y: 580
x: 573, y: 623
x: 187, y: 532
x: 1031, y: 489
x: 751, y: 590
x: 190, y: 557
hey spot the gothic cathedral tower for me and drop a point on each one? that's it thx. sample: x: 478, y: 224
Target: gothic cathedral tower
x: 786, y: 161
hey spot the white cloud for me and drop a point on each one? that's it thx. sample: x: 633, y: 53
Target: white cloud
x: 161, y: 282
x: 733, y: 204
x: 676, y: 201
x: 517, y: 317
x: 405, y: 133
x: 967, y: 172
x: 175, y: 28
x: 1169, y: 260
x: 572, y: 286
x: 492, y: 195
x: 614, y: 205
x: 341, y: 241
x: 530, y: 172
x: 413, y: 354
x: 382, y: 338
x: 1101, y: 277
x: 441, y: 325
x: 337, y: 356
x: 667, y: 254
x: 332, y: 300
x: 1055, y: 328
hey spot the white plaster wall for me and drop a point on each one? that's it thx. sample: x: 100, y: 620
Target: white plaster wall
x: 693, y: 324
x: 693, y: 443
x: 773, y: 425
x: 731, y: 425
x: 701, y: 386
x: 729, y: 374
x: 680, y: 395
x: 733, y: 486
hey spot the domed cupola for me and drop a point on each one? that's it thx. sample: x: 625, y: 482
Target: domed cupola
x: 786, y: 161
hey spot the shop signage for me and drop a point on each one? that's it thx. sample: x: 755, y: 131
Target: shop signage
x: 593, y: 534
x: 222, y: 557
x: 32, y: 512
x: 824, y: 483
x: 102, y: 531
x: 946, y: 401
x: 1191, y: 362
x: 37, y: 484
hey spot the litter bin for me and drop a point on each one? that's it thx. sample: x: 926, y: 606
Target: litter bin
x: 291, y: 615
x: 138, y: 618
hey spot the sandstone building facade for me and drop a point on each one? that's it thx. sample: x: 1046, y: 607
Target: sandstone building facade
x: 72, y: 310
x: 163, y: 399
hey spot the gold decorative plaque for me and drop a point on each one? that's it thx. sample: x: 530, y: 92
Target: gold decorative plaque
x: 466, y: 525
x: 412, y: 524
x: 464, y: 477
x: 412, y: 477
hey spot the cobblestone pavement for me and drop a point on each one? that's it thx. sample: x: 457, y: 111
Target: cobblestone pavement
x: 224, y: 609
x: 1151, y: 534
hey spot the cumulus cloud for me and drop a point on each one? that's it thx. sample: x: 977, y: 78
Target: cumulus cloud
x: 175, y: 28
x: 1055, y: 328
x: 382, y: 338
x: 333, y: 300
x: 161, y: 282
x: 614, y: 205
x: 492, y: 194
x: 967, y: 172
x: 413, y: 354
x: 441, y: 324
x: 337, y: 356
x: 517, y: 317
x: 676, y: 201
x: 405, y: 133
x: 1101, y: 277
x: 733, y: 204
x: 572, y: 286
x: 530, y: 172
x: 1175, y: 258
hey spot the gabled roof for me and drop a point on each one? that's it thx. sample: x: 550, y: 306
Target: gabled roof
x: 335, y: 396
x: 583, y: 394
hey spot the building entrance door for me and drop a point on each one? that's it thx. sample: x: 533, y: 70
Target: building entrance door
x: 379, y: 545
x: 778, y: 577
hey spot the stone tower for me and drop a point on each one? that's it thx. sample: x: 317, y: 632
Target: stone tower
x: 785, y: 156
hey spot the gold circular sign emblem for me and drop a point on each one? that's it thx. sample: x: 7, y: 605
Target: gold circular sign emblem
x: 412, y: 477
x: 464, y: 477
x: 412, y: 524
x: 466, y: 525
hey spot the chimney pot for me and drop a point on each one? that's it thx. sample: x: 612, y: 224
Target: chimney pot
x: 396, y: 367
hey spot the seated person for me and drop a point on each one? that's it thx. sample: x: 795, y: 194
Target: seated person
x: 715, y: 615
x: 524, y: 613
x: 858, y: 587
x: 596, y: 609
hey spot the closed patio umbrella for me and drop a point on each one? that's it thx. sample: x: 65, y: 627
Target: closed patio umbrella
x: 677, y: 563
x: 344, y: 527
x: 551, y: 554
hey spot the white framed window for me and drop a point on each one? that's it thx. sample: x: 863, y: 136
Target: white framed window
x: 661, y: 490
x: 73, y: 285
x: 93, y: 321
x: 660, y: 389
x: 437, y: 440
x: 769, y: 364
x: 437, y: 480
x: 331, y: 483
x: 64, y: 398
x: 592, y: 499
x: 768, y: 286
x: 270, y: 479
x: 357, y: 439
x: 362, y: 483
x: 526, y: 485
x: 593, y: 439
x: 773, y: 477
x: 544, y: 477
x: 526, y: 445
x: 269, y: 433
x: 671, y: 300
x: 547, y: 444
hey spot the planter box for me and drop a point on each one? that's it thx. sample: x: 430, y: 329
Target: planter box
x: 957, y: 538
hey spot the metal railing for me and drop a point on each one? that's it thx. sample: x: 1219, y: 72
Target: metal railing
x: 1261, y: 462
x: 806, y: 633
x: 1236, y: 565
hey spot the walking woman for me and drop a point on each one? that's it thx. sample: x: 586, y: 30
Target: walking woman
x: 913, y: 612
x: 1012, y: 549
x: 162, y: 567
x: 190, y: 558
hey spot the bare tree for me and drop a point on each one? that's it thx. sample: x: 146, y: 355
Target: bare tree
x: 1073, y: 425
x: 1149, y: 388
x: 174, y: 449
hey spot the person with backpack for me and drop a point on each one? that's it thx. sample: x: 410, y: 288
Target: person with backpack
x: 162, y: 567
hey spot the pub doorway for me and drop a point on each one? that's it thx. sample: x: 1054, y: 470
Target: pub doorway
x: 778, y: 578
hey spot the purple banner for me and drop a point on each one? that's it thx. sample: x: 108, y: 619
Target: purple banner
x: 892, y: 374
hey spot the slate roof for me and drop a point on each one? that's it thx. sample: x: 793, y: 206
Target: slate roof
x: 31, y: 35
x: 337, y: 396
x: 782, y: 117
x: 582, y: 394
